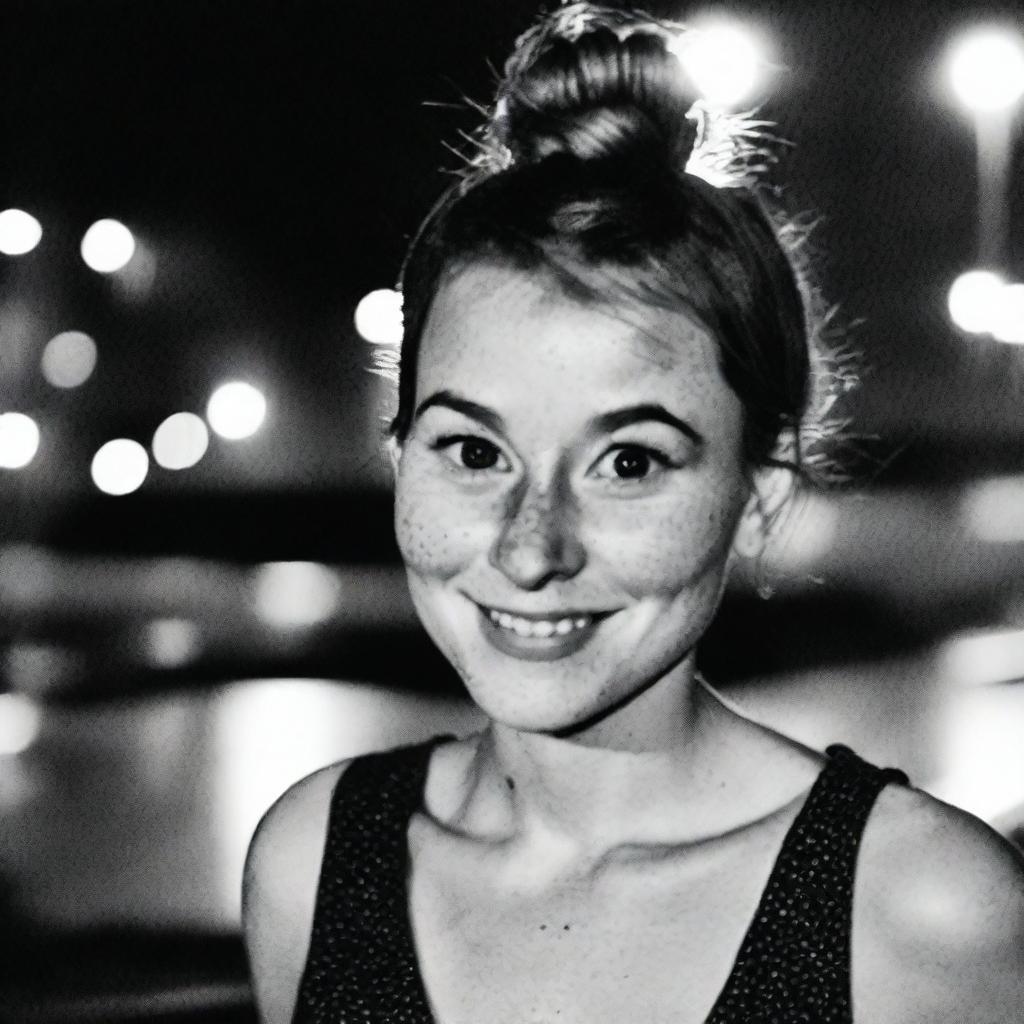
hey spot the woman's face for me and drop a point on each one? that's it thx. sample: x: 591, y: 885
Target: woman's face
x: 567, y: 495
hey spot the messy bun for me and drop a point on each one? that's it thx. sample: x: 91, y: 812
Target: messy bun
x: 600, y: 166
x: 596, y: 98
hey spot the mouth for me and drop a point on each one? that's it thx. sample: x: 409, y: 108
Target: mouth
x: 523, y: 626
x: 536, y: 637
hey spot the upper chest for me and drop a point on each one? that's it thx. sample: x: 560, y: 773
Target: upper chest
x: 647, y: 937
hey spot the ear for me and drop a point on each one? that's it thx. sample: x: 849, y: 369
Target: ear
x: 770, y: 489
x: 393, y: 451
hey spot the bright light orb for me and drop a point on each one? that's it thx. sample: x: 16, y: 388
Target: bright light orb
x: 236, y: 410
x: 180, y: 441
x: 20, y: 232
x: 120, y: 467
x: 107, y: 246
x: 69, y: 359
x: 19, y: 440
x: 994, y: 509
x: 378, y: 317
x: 972, y: 298
x: 171, y: 643
x: 723, y: 61
x: 987, y: 70
x: 295, y: 595
x: 21, y: 721
x: 1007, y: 321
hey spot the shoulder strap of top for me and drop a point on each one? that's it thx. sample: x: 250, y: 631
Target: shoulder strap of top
x: 362, y: 960
x: 794, y: 962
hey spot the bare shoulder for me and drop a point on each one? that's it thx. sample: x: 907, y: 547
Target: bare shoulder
x: 282, y: 871
x: 938, y: 931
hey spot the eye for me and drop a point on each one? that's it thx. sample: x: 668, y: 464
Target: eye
x: 473, y: 453
x: 630, y: 462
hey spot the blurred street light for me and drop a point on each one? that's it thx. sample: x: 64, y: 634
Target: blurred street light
x: 180, y: 441
x: 724, y: 61
x: 236, y: 410
x: 1008, y: 314
x: 19, y: 440
x: 20, y: 723
x: 69, y: 359
x: 120, y: 467
x: 107, y: 246
x: 993, y: 509
x: 295, y: 595
x: 20, y: 232
x: 987, y: 69
x: 972, y: 297
x: 378, y: 317
x: 171, y: 643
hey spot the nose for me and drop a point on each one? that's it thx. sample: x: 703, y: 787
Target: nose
x: 539, y: 538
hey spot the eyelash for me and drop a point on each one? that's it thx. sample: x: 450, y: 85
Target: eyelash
x: 660, y: 460
x: 447, y: 442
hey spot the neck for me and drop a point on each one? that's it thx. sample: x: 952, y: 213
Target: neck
x: 644, y: 779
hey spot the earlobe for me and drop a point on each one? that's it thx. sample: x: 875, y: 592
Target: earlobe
x: 752, y: 531
x: 393, y: 450
x: 769, y: 491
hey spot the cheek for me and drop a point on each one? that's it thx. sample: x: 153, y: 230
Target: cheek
x: 672, y: 544
x: 439, y: 534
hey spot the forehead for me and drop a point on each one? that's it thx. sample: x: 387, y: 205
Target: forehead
x: 493, y: 327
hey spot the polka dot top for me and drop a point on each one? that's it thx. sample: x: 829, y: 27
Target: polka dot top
x: 793, y: 964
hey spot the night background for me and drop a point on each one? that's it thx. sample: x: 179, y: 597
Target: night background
x: 172, y: 658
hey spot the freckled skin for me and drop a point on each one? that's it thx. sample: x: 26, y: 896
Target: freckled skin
x: 552, y: 527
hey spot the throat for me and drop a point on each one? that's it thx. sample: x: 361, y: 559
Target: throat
x: 543, y: 791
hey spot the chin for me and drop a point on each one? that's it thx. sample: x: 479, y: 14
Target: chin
x: 590, y: 687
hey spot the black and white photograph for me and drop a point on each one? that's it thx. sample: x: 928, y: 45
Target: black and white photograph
x: 511, y: 513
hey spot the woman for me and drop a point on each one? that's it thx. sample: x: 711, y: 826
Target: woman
x: 607, y: 381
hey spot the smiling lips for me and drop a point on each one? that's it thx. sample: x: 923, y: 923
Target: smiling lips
x: 536, y: 638
x: 539, y: 627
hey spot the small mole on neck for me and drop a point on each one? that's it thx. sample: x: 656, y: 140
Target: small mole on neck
x: 510, y: 782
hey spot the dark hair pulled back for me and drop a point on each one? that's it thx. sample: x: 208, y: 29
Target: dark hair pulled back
x: 593, y: 167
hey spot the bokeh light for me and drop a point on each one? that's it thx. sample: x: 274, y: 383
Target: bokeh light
x: 987, y: 69
x: 972, y: 297
x: 723, y: 60
x: 994, y: 509
x: 378, y: 317
x: 294, y: 595
x: 107, y: 246
x: 19, y: 440
x: 120, y: 467
x: 171, y: 643
x: 20, y: 723
x: 236, y: 410
x: 69, y: 359
x: 1007, y: 320
x: 180, y: 441
x: 20, y: 232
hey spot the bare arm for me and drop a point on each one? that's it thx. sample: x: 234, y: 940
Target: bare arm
x: 938, y: 932
x: 282, y: 871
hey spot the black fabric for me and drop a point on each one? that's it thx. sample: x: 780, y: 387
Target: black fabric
x: 793, y: 964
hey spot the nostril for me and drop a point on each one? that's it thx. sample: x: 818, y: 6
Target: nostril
x: 531, y: 551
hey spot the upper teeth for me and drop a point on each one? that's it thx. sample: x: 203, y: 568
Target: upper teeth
x: 539, y: 627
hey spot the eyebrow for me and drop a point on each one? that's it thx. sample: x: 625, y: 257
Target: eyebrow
x: 449, y: 400
x: 606, y: 422
x: 648, y: 412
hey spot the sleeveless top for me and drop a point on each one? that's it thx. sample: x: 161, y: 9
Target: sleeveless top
x: 793, y: 964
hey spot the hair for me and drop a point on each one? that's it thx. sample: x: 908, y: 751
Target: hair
x: 599, y: 165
